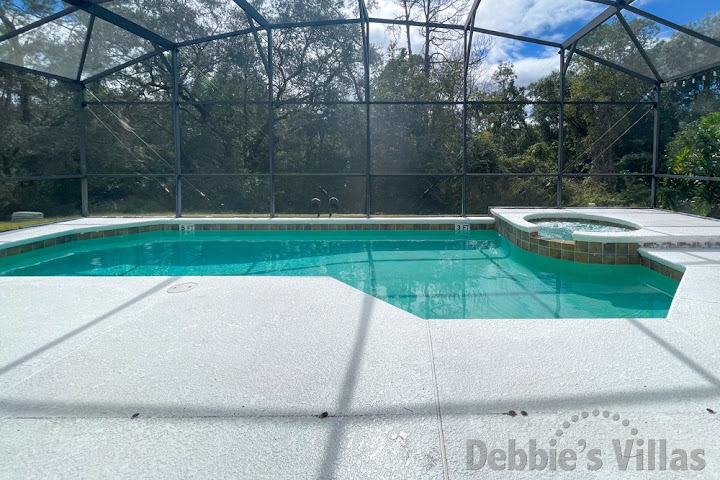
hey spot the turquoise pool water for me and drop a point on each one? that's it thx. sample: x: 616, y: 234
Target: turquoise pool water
x: 432, y: 274
x: 564, y: 230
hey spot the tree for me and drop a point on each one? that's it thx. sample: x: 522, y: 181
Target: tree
x: 695, y: 151
x: 437, y: 42
x: 507, y: 123
x: 319, y: 113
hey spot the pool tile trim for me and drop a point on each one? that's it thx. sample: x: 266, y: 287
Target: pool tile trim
x: 653, y: 226
x: 82, y: 233
x: 673, y: 272
x: 585, y: 251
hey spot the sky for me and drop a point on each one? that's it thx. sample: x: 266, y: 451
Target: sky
x: 553, y: 20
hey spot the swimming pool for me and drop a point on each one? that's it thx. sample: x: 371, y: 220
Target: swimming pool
x: 563, y: 229
x: 432, y: 274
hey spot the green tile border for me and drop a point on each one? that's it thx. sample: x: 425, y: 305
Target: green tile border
x: 588, y: 252
x: 209, y: 226
x: 581, y: 251
x: 661, y: 268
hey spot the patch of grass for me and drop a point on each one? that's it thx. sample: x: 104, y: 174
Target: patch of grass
x: 5, y: 226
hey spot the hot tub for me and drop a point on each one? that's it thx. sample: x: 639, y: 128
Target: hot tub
x: 562, y: 229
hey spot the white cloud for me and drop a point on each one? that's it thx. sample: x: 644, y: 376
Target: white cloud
x: 528, y: 67
x: 552, y: 20
x: 531, y: 62
x: 536, y: 18
x: 531, y: 69
x: 386, y: 9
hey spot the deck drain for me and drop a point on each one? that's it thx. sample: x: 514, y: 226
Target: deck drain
x: 182, y: 287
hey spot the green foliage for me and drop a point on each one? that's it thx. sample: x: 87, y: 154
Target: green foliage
x: 38, y: 136
x: 402, y: 78
x: 320, y: 123
x: 694, y: 151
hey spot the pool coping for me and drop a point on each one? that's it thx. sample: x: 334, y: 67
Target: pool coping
x: 610, y: 248
x: 24, y: 240
x: 511, y: 223
x: 654, y: 226
x: 37, y: 237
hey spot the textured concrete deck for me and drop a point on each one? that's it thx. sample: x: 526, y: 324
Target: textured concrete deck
x: 116, y: 377
x: 229, y: 379
x: 652, y: 225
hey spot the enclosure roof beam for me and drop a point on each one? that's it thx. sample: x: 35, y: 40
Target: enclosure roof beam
x: 692, y: 72
x: 122, y: 22
x: 615, y: 66
x: 521, y: 38
x: 570, y: 54
x: 18, y: 68
x: 122, y: 66
x: 471, y: 15
x: 38, y: 23
x: 461, y: 27
x: 674, y: 26
x: 591, y: 25
x: 250, y: 10
x: 362, y: 6
x: 470, y: 22
x: 610, y: 3
x: 258, y: 44
x: 318, y: 23
x: 164, y: 60
x: 640, y: 48
x: 688, y: 31
x: 217, y: 36
x: 86, y: 47
x: 365, y: 31
x: 413, y: 23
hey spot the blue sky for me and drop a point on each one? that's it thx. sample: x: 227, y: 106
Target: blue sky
x: 530, y: 17
x: 552, y: 20
x: 680, y: 11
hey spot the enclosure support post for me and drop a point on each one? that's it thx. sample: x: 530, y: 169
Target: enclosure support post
x: 365, y: 27
x: 368, y: 160
x: 656, y: 146
x: 176, y: 130
x: 84, y: 208
x: 466, y: 60
x: 467, y: 52
x: 561, y: 132
x: 271, y: 123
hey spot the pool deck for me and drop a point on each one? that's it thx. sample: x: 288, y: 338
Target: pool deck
x: 652, y: 225
x: 116, y: 377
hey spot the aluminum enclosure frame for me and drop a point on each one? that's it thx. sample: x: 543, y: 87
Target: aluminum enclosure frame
x: 163, y: 45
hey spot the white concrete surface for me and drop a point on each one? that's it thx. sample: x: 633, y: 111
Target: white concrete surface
x: 229, y: 380
x: 696, y: 306
x: 21, y: 236
x: 653, y: 226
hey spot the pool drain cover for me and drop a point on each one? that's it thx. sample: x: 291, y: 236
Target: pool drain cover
x: 182, y: 287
